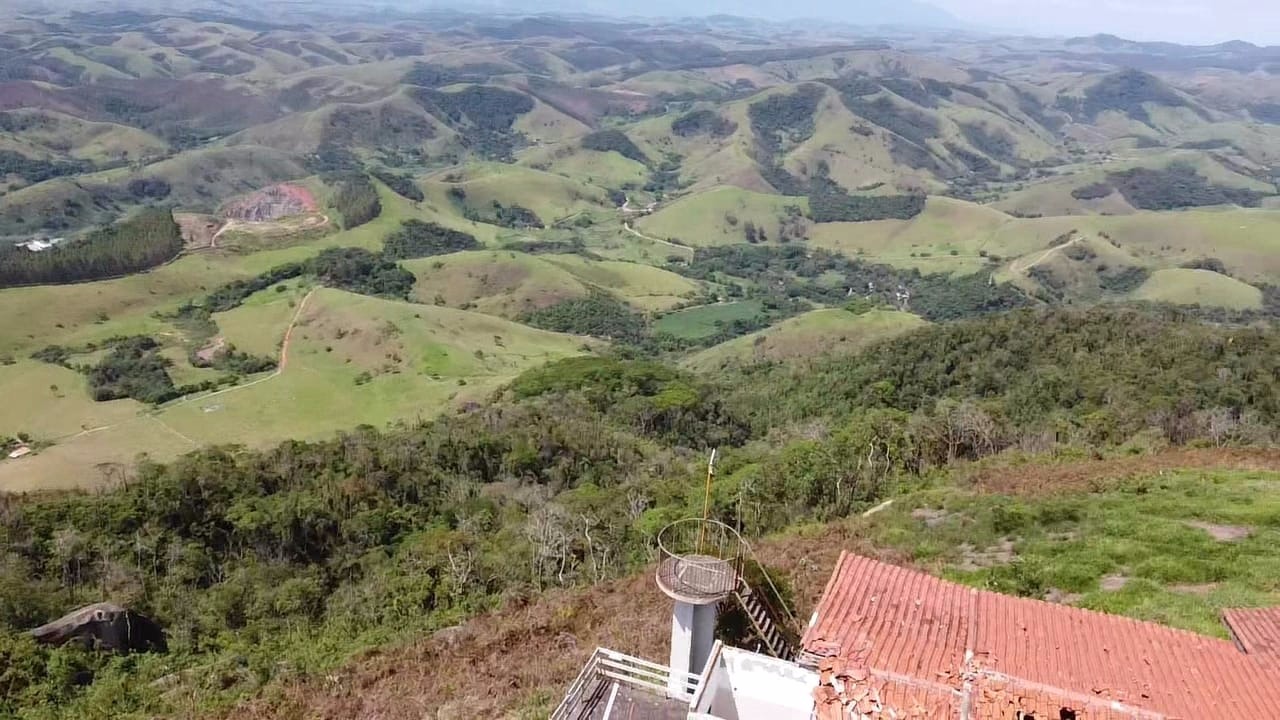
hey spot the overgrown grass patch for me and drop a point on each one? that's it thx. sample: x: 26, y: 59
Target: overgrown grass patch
x: 1138, y: 548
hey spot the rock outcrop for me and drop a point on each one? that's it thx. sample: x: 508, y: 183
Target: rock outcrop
x: 104, y: 626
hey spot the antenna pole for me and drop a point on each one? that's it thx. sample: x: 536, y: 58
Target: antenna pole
x: 706, y: 501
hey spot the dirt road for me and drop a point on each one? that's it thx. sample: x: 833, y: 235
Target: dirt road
x: 642, y: 236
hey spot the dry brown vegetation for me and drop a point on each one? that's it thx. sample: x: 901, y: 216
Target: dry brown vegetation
x: 501, y: 662
x: 522, y: 656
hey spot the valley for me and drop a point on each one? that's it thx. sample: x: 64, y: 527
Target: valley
x: 330, y: 333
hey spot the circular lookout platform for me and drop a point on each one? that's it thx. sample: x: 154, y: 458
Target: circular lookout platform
x: 698, y: 561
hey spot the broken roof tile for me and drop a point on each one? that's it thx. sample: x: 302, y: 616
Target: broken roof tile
x: 924, y: 638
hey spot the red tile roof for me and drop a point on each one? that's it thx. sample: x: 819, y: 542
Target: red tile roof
x: 1255, y: 631
x: 998, y: 655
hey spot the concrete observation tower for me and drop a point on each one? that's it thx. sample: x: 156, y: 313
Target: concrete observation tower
x: 699, y: 566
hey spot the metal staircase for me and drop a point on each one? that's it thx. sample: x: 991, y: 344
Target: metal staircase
x: 773, y: 628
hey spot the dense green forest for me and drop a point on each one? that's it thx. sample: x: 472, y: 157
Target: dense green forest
x: 1176, y: 186
x: 599, y: 314
x: 1099, y: 376
x: 829, y: 202
x: 781, y: 121
x: 34, y: 170
x: 147, y: 239
x: 799, y: 272
x: 402, y: 185
x: 482, y: 115
x: 416, y: 238
x: 614, y: 141
x: 281, y: 561
x: 699, y: 122
x: 356, y: 199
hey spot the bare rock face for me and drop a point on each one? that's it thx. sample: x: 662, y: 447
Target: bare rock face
x: 272, y: 203
x: 104, y: 626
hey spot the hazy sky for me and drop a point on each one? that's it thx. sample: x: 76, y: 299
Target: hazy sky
x: 1203, y: 21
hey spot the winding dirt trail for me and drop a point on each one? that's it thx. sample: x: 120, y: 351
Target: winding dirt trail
x: 280, y: 364
x: 1022, y: 265
x: 642, y: 236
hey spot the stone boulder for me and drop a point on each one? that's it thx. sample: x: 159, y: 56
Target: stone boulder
x: 104, y: 626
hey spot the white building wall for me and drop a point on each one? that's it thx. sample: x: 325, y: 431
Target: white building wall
x: 749, y: 686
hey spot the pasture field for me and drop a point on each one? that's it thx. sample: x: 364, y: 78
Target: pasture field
x: 356, y: 360
x: 1182, y: 286
x: 719, y: 216
x: 818, y: 332
x: 706, y: 320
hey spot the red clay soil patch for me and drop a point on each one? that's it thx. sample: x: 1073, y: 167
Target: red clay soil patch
x: 491, y: 666
x: 1036, y: 478
x: 272, y: 203
x: 210, y: 351
x: 1222, y: 533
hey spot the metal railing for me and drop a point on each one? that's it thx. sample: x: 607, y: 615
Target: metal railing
x: 606, y: 666
x: 699, y: 560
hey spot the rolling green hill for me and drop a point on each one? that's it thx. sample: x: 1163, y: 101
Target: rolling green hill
x: 813, y: 334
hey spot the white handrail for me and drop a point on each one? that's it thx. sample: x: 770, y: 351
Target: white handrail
x: 625, y: 669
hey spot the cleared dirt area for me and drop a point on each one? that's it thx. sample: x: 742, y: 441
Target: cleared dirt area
x: 271, y: 203
x: 198, y: 231
x: 1222, y: 533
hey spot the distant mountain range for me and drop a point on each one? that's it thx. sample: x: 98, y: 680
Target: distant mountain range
x: 858, y: 12
x: 909, y: 13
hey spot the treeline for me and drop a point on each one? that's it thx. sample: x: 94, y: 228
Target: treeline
x: 802, y: 272
x: 149, y: 238
x: 516, y: 217
x: 781, y: 121
x: 1125, y: 92
x: 133, y: 367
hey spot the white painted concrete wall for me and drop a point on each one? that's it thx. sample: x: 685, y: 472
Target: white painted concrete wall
x: 749, y: 686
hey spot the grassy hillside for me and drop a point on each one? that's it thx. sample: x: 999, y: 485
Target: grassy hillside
x: 550, y: 197
x: 503, y: 283
x: 508, y: 284
x: 372, y: 361
x: 644, y: 286
x: 351, y: 359
x: 719, y: 216
x: 1199, y: 287
x: 947, y: 237
x: 813, y: 334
